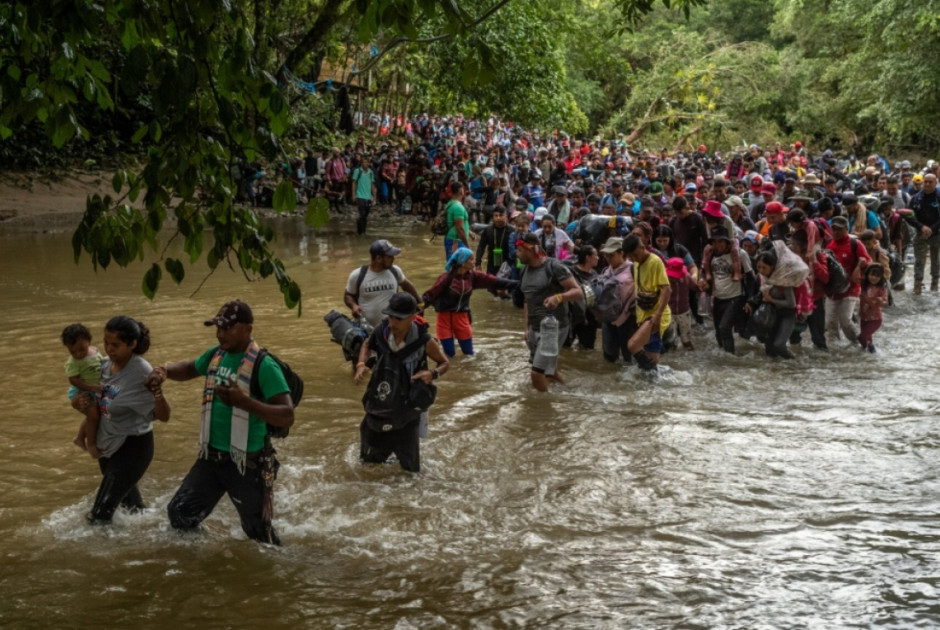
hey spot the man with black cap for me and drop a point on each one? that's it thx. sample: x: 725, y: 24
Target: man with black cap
x: 370, y: 287
x: 395, y: 419
x: 234, y: 453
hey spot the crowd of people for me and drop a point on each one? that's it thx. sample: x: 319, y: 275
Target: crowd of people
x: 729, y: 218
x: 582, y: 236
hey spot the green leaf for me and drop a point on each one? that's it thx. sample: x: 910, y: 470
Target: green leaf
x: 291, y: 294
x: 152, y: 281
x: 175, y: 268
x: 117, y: 182
x: 193, y: 246
x: 318, y: 212
x: 63, y: 128
x: 285, y: 199
x: 130, y: 37
x: 139, y: 134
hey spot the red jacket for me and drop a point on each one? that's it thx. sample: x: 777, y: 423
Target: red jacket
x: 850, y: 251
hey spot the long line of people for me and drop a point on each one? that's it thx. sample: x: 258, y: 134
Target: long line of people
x: 723, y: 227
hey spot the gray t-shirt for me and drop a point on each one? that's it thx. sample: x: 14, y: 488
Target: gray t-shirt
x: 126, y: 406
x: 376, y: 290
x: 725, y: 286
x: 540, y: 282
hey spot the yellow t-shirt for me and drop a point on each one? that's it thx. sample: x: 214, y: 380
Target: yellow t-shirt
x: 650, y: 277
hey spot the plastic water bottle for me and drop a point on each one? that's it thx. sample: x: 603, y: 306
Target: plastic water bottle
x: 548, y: 336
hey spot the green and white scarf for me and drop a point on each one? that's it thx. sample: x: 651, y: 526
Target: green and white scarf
x: 238, y: 441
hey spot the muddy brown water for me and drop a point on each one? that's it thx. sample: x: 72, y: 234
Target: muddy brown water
x: 735, y: 492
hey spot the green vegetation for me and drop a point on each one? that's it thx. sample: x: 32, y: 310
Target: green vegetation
x: 194, y: 87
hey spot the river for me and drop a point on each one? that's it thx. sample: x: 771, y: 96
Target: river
x: 729, y: 492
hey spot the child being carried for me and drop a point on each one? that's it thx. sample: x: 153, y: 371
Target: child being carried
x: 83, y: 369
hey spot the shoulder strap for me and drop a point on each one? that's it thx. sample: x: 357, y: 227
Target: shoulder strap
x: 255, y: 387
x: 362, y: 276
x: 420, y: 342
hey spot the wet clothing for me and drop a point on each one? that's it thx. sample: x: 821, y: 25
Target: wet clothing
x: 375, y: 447
x: 775, y: 345
x: 650, y: 277
x: 538, y: 283
x: 378, y: 438
x: 216, y: 474
x: 125, y: 436
x: 125, y: 406
x: 121, y: 471
x: 208, y: 480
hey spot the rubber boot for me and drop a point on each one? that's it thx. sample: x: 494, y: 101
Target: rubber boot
x: 934, y: 284
x: 466, y: 346
x: 644, y: 362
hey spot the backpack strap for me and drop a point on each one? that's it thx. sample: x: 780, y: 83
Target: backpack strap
x: 362, y: 276
x: 255, y: 387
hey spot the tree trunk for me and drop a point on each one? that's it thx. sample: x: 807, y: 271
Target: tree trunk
x: 685, y: 137
x: 636, y: 133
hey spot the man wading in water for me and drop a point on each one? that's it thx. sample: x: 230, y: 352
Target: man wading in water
x: 546, y: 284
x: 233, y: 429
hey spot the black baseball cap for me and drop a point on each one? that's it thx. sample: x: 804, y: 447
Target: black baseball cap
x: 234, y: 312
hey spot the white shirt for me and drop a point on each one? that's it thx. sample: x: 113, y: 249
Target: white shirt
x: 376, y: 291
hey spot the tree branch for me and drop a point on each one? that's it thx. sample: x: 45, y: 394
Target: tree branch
x: 428, y: 40
x: 313, y: 38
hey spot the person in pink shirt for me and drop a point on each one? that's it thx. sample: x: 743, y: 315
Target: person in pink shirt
x: 873, y: 296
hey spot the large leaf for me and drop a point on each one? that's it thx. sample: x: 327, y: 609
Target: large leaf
x: 285, y: 199
x: 151, y: 281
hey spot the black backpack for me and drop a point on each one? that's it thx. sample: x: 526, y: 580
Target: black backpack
x: 294, y: 383
x: 838, y: 276
x: 388, y: 398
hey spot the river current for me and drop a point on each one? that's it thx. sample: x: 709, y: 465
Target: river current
x: 728, y: 492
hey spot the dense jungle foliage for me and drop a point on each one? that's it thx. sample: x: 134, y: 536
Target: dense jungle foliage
x: 194, y: 87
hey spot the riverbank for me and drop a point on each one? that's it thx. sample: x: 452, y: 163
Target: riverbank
x: 34, y: 203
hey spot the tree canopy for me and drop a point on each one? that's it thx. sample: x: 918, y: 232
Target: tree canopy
x: 198, y: 86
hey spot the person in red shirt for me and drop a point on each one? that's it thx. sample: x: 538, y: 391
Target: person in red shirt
x: 854, y: 258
